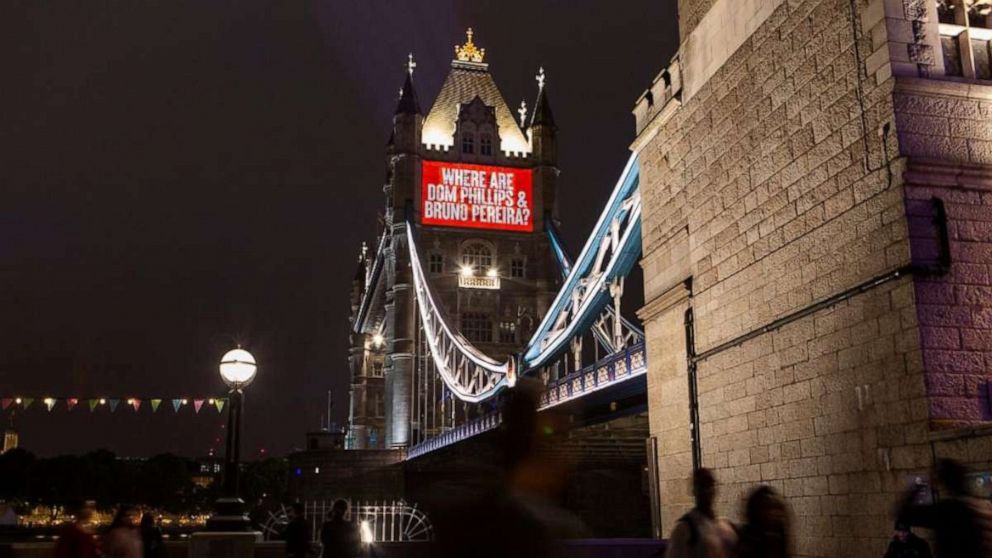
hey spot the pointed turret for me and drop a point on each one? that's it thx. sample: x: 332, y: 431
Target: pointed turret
x: 404, y: 144
x: 408, y: 103
x: 542, y: 108
x: 543, y: 130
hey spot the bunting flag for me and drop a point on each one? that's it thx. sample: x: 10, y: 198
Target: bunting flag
x: 93, y: 403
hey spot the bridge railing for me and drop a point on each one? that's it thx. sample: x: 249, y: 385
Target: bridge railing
x: 477, y: 426
x: 612, y: 370
x: 608, y: 371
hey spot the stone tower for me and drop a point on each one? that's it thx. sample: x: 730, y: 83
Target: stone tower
x: 817, y: 230
x: 478, y: 186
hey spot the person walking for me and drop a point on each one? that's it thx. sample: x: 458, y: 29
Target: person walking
x: 700, y: 533
x: 905, y: 544
x: 123, y: 540
x: 297, y: 535
x: 151, y: 537
x: 76, y: 538
x: 962, y: 524
x: 766, y: 531
x: 338, y: 536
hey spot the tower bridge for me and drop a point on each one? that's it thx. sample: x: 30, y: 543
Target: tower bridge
x: 461, y: 299
x: 470, y: 290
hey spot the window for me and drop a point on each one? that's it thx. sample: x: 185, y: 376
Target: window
x: 377, y: 405
x: 965, y: 37
x: 518, y: 268
x: 486, y: 143
x: 468, y: 142
x: 477, y: 256
x: 507, y: 332
x: 477, y: 328
x: 435, y: 263
x: 376, y: 369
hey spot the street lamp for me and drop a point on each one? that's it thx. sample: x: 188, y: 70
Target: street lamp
x: 237, y: 368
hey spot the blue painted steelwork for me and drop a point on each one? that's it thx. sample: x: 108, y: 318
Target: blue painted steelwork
x: 565, y: 265
x: 623, y: 206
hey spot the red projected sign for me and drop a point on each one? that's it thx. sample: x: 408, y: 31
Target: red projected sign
x: 476, y: 196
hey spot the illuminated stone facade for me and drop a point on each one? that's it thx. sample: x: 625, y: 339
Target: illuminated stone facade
x: 495, y: 284
x: 797, y: 161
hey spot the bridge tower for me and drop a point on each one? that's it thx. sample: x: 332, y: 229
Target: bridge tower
x: 478, y: 185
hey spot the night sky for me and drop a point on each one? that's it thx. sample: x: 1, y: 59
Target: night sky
x: 177, y: 177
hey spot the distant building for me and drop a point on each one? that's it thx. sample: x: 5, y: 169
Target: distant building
x: 206, y: 470
x: 10, y: 437
x: 326, y: 470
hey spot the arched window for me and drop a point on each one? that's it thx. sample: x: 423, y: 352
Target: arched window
x: 477, y: 327
x: 468, y: 142
x: 478, y: 257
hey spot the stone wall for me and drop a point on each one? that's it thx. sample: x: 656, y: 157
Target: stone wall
x: 955, y: 309
x: 690, y: 12
x: 830, y: 410
x: 943, y: 129
x: 773, y: 187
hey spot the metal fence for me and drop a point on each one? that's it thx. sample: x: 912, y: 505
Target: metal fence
x: 382, y: 520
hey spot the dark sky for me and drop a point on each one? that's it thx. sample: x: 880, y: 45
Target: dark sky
x: 180, y: 176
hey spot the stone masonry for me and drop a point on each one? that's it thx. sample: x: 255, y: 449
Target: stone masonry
x: 788, y: 187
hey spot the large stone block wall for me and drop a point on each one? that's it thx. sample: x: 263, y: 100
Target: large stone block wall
x: 944, y: 121
x: 690, y: 13
x: 955, y: 309
x: 944, y: 131
x: 775, y: 185
x: 830, y: 410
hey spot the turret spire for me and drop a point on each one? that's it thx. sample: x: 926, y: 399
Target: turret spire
x: 542, y: 108
x: 408, y: 103
x: 410, y: 64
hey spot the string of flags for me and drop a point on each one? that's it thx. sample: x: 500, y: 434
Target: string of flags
x: 70, y: 403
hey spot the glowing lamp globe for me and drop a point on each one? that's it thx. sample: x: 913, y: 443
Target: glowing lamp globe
x: 237, y: 368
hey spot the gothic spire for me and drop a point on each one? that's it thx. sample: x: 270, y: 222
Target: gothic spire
x: 408, y: 103
x: 542, y: 108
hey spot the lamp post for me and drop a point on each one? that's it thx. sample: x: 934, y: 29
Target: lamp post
x: 237, y: 368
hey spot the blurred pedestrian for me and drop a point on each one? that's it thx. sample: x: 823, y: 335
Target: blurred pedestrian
x: 700, y: 533
x: 962, y: 524
x: 766, y: 531
x: 76, y: 538
x: 510, y: 505
x: 339, y: 536
x: 905, y: 544
x: 297, y: 534
x: 123, y: 540
x: 151, y: 536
